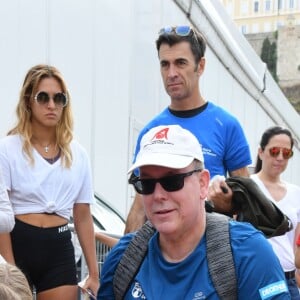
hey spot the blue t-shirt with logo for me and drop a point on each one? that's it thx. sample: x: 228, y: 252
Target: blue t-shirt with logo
x: 258, y: 271
x: 223, y: 141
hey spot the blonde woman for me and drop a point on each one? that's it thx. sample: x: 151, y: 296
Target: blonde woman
x: 47, y: 174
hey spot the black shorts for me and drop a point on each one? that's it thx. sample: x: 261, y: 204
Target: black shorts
x: 45, y: 255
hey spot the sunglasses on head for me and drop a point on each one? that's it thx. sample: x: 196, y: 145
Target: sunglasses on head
x: 169, y: 183
x: 60, y: 99
x: 182, y: 30
x: 286, y: 152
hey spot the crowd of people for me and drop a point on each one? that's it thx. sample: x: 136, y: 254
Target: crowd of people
x: 45, y: 178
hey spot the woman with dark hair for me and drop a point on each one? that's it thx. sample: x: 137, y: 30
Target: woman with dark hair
x: 47, y: 175
x: 274, y: 152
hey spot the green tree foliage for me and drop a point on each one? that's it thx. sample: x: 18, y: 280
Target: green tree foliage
x: 269, y: 56
x: 265, y: 50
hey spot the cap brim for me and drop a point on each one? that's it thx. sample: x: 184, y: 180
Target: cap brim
x: 163, y: 160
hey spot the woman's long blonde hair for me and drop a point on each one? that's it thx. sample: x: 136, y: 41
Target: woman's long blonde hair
x: 64, y: 128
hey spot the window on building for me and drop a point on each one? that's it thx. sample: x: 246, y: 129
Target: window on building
x: 280, y: 4
x: 291, y: 4
x: 267, y: 5
x: 279, y: 24
x: 243, y: 29
x: 256, y: 6
x: 229, y: 9
x: 244, y: 8
x: 267, y: 27
x: 255, y: 28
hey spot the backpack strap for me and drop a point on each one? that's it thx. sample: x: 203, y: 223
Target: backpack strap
x: 131, y: 260
x: 219, y: 255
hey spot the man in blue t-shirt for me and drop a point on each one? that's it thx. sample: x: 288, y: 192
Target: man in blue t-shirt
x: 173, y: 184
x: 226, y: 151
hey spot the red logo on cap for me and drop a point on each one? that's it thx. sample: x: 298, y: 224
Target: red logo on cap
x: 162, y: 134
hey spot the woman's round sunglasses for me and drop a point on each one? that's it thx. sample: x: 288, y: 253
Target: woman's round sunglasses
x: 286, y: 152
x: 60, y: 99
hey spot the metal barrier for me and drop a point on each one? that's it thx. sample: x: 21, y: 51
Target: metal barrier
x: 102, y: 251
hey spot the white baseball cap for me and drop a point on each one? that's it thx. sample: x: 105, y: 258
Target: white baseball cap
x: 168, y: 146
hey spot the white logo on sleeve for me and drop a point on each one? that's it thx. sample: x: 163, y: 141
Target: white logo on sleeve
x: 273, y: 289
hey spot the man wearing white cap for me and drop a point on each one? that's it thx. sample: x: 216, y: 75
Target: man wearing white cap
x: 174, y: 184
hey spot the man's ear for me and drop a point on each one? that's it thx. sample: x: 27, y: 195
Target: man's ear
x: 204, y: 178
x: 201, y: 66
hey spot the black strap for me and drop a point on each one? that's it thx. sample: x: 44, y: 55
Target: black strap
x: 219, y: 255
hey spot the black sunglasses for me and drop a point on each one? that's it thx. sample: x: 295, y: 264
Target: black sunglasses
x: 182, y: 30
x: 169, y: 183
x: 60, y: 99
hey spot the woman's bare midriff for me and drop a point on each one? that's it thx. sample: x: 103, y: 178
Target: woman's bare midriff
x: 42, y: 220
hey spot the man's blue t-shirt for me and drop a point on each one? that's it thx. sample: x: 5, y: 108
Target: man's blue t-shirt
x: 223, y: 141
x: 258, y: 271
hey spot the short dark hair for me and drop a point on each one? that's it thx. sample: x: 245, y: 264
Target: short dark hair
x: 267, y: 135
x: 194, y: 38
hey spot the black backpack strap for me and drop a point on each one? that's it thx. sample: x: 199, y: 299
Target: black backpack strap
x: 131, y: 260
x: 219, y: 255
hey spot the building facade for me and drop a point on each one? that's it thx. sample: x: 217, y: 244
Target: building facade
x: 279, y: 22
x: 257, y: 16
